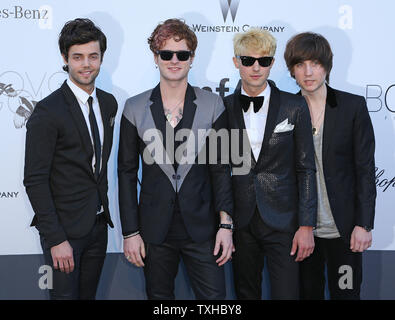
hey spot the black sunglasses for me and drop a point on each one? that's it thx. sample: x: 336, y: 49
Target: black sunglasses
x: 167, y: 55
x: 249, y: 61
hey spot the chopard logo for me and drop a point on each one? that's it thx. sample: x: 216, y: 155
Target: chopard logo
x: 229, y: 5
x: 382, y: 181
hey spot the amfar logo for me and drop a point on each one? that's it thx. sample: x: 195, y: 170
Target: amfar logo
x: 229, y: 5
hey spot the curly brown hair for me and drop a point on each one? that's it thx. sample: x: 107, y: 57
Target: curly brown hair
x: 172, y: 28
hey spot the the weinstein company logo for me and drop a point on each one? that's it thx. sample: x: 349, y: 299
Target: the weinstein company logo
x: 232, y: 7
x: 229, y: 5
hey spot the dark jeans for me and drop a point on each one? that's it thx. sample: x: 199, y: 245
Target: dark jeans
x: 252, y: 244
x: 89, y: 253
x: 161, y: 266
x: 335, y: 253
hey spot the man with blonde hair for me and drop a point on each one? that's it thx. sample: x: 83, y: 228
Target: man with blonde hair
x: 275, y: 204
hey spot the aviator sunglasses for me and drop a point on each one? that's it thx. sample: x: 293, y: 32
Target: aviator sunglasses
x: 182, y: 55
x: 249, y: 61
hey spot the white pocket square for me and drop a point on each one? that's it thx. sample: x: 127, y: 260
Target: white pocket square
x: 283, y: 127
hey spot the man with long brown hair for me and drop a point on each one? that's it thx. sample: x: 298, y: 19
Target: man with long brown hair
x: 344, y: 156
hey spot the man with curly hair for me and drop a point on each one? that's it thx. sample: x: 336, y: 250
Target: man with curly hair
x: 181, y: 202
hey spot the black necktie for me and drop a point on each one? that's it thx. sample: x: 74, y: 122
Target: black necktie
x: 96, y: 138
x: 245, y: 102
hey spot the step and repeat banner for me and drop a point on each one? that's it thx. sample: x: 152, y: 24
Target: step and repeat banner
x: 360, y: 32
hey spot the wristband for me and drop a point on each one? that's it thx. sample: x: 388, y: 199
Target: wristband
x: 228, y: 226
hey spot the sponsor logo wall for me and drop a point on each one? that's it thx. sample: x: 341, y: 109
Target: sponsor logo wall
x: 31, y: 68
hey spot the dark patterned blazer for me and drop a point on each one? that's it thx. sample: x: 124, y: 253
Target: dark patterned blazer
x: 281, y: 183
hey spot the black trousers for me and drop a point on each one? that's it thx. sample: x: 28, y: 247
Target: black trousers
x: 89, y: 253
x: 344, y: 271
x: 161, y: 266
x: 253, y: 243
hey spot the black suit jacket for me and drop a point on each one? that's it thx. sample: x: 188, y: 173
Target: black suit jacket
x: 281, y: 182
x: 59, y: 178
x: 348, y: 161
x: 203, y: 190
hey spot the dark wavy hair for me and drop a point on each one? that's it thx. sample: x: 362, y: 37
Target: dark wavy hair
x: 172, y: 28
x: 80, y: 31
x: 308, y: 46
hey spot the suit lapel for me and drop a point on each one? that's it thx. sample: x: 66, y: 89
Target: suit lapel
x: 189, y: 121
x: 79, y: 119
x: 158, y: 121
x: 189, y: 108
x: 274, y: 106
x: 104, y: 110
x: 330, y: 118
x: 237, y: 110
x: 157, y: 112
x: 238, y: 114
x: 331, y: 109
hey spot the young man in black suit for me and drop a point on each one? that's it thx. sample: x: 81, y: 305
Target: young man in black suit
x: 344, y: 155
x: 68, y: 142
x: 182, y: 200
x: 276, y: 202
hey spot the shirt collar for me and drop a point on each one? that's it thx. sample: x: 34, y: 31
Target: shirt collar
x: 80, y: 94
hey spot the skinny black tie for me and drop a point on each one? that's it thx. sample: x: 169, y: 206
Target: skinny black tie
x: 96, y: 138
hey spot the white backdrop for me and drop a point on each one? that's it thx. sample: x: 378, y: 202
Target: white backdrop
x: 360, y: 32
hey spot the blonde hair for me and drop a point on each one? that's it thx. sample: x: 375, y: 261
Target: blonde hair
x: 257, y: 40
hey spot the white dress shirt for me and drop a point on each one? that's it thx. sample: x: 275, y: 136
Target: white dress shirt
x: 82, y: 98
x: 256, y: 122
